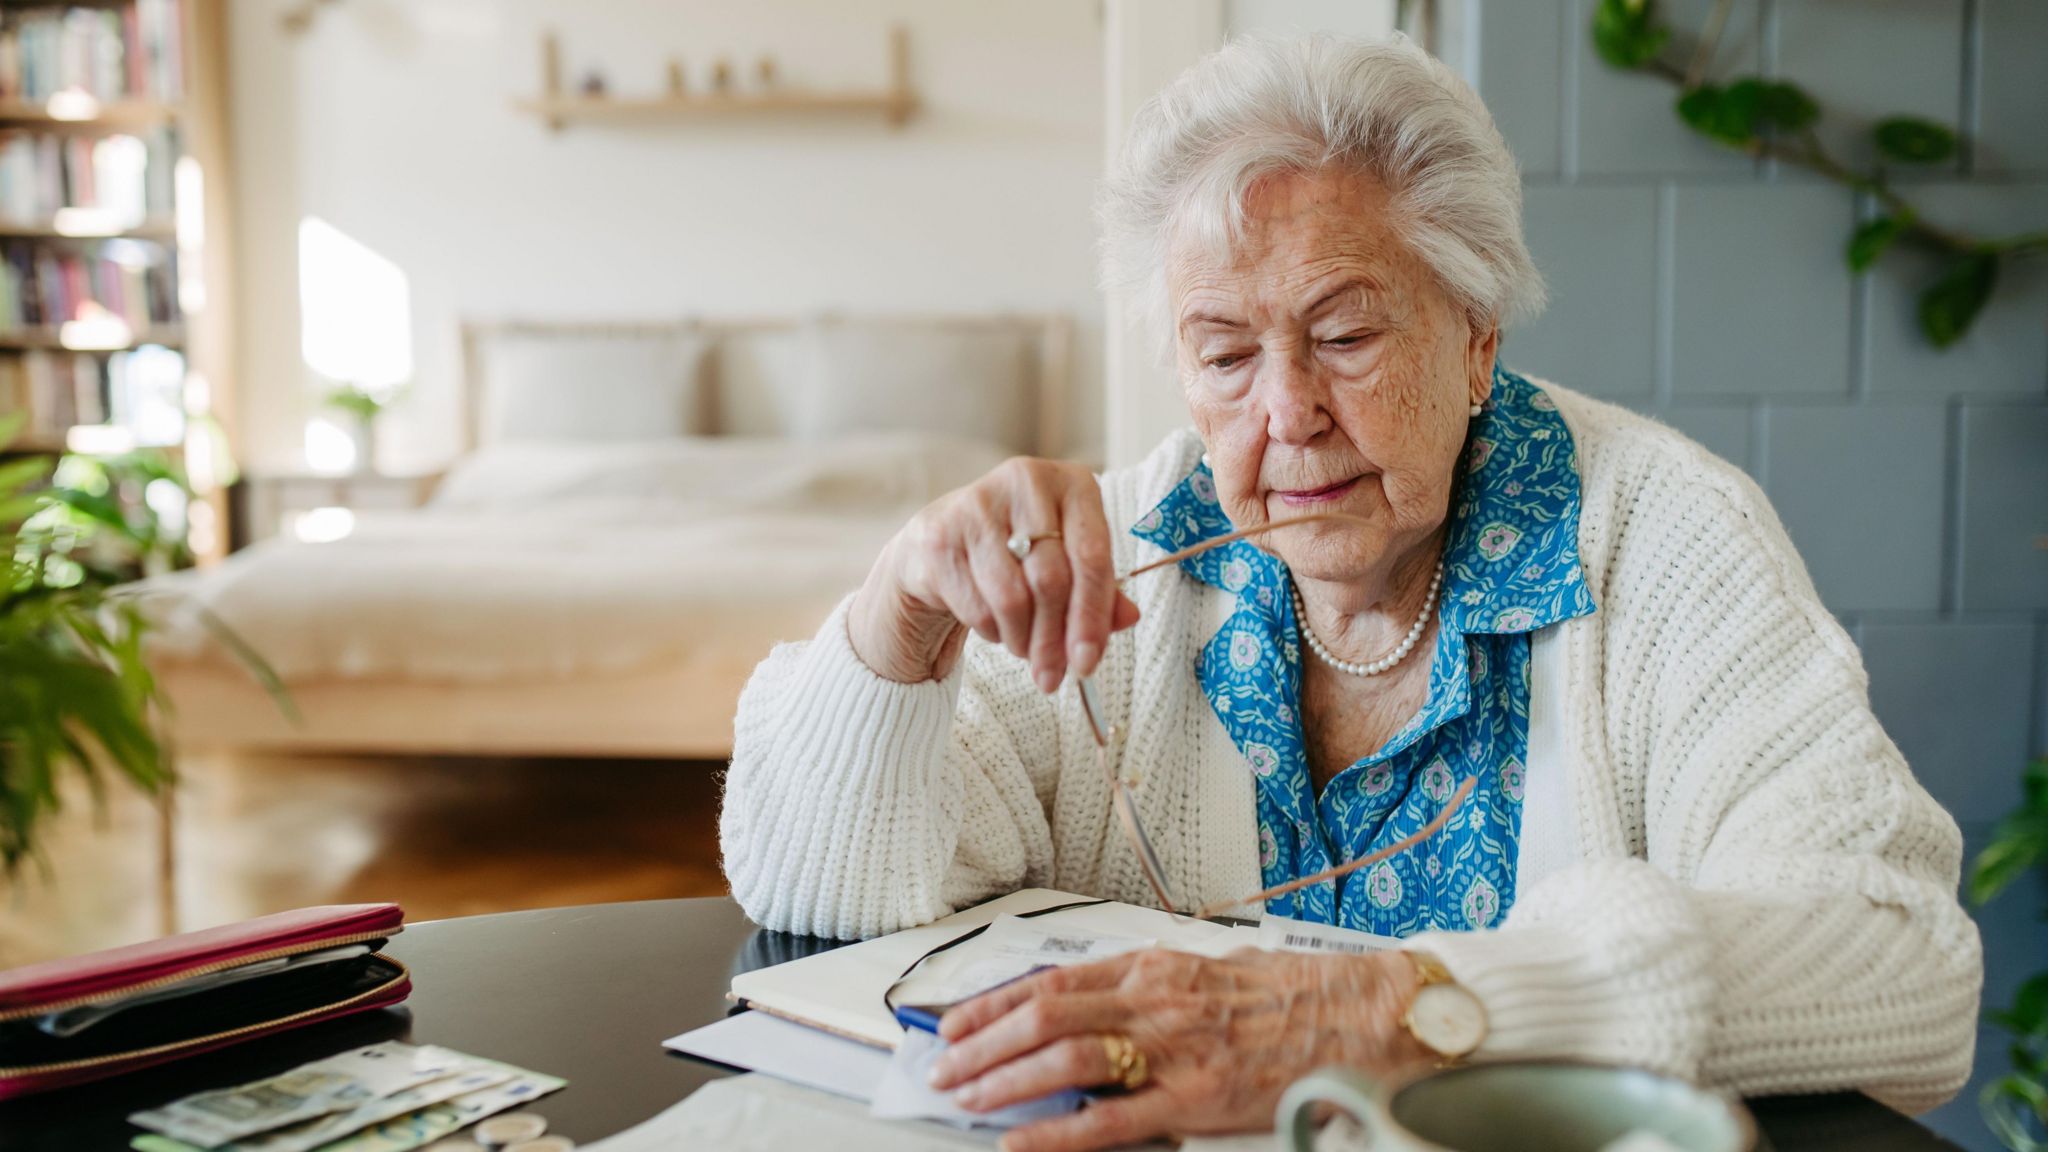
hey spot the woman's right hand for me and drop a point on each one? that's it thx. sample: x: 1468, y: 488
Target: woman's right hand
x: 950, y: 570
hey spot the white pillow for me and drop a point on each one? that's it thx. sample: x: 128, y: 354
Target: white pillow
x: 967, y: 380
x: 763, y: 377
x: 592, y: 386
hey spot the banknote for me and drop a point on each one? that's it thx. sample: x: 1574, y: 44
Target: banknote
x: 336, y: 1084
x: 333, y: 1126
x: 419, y: 1128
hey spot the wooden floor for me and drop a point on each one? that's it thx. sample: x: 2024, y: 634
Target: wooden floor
x: 443, y: 837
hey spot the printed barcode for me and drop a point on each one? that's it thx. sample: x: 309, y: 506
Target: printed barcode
x: 1296, y: 940
x: 1067, y: 945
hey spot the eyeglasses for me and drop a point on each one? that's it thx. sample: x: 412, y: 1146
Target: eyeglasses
x: 1109, y: 740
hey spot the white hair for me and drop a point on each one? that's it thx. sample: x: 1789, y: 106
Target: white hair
x: 1262, y: 106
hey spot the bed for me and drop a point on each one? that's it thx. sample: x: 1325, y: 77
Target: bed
x: 643, y: 512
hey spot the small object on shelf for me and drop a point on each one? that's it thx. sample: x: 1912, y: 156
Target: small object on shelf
x: 360, y: 409
x: 557, y: 105
x: 593, y: 85
x: 300, y: 18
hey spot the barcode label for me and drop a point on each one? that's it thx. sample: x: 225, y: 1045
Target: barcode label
x: 1296, y: 942
x: 1280, y: 934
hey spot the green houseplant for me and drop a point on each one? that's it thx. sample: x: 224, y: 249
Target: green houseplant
x: 362, y: 406
x: 2016, y: 1104
x: 1774, y: 118
x: 76, y: 695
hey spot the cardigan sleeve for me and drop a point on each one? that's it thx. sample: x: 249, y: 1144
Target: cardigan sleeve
x: 856, y: 805
x: 1783, y: 918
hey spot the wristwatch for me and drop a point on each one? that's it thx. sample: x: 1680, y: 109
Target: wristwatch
x: 1445, y: 1016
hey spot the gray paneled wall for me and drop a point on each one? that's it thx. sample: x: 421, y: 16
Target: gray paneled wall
x: 1708, y: 289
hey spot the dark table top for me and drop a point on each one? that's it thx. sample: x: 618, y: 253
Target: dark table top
x: 590, y: 993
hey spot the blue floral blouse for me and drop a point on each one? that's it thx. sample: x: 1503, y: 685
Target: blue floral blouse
x: 1512, y: 566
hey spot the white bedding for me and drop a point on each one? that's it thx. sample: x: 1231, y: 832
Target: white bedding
x: 551, y: 561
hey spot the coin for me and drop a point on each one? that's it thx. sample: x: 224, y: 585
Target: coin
x: 511, y: 1128
x: 544, y: 1144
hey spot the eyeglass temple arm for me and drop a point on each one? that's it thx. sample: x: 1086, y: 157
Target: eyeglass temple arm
x: 1245, y: 534
x: 1104, y: 733
x: 1345, y: 869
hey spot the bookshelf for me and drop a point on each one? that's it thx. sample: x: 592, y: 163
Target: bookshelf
x: 114, y: 260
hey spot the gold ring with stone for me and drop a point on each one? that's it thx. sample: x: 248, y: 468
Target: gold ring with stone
x: 1020, y: 544
x: 1127, y: 1063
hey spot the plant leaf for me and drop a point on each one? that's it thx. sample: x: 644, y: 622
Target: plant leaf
x: 16, y: 475
x: 1950, y: 305
x: 1626, y: 34
x: 2019, y: 843
x: 1784, y: 105
x: 2027, y: 1019
x: 2034, y: 786
x: 2011, y: 1106
x: 253, y: 662
x: 1911, y: 140
x: 1739, y: 112
x: 1870, y: 240
x: 1723, y: 114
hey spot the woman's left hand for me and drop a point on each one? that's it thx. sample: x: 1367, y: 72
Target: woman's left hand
x: 1222, y: 1039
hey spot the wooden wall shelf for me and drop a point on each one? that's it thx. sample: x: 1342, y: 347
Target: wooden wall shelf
x: 51, y: 339
x: 112, y: 115
x: 559, y: 108
x: 162, y: 230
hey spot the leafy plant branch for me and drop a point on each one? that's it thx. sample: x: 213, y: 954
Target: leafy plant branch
x: 2016, y: 1104
x: 76, y: 692
x: 1774, y: 119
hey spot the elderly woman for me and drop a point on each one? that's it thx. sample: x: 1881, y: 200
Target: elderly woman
x: 1688, y: 844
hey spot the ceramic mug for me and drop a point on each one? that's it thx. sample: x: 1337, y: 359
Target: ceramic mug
x: 1528, y: 1107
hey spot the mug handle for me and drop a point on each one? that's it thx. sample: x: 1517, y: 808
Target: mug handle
x: 1346, y: 1088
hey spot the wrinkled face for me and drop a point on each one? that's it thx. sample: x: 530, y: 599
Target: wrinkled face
x: 1327, y: 370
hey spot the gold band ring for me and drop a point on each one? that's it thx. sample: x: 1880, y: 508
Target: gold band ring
x: 1127, y: 1063
x: 1021, y: 543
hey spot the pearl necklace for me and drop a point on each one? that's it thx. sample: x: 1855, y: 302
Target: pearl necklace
x: 1390, y: 659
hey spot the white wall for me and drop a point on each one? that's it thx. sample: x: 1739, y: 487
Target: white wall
x: 1293, y: 17
x: 392, y: 120
x: 1149, y: 42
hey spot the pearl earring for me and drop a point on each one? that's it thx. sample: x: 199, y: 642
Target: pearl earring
x: 1477, y: 409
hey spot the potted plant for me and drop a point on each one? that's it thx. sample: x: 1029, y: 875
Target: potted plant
x: 361, y: 406
x: 2016, y: 1104
x: 76, y: 694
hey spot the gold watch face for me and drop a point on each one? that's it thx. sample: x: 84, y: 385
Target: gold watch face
x: 1448, y: 1019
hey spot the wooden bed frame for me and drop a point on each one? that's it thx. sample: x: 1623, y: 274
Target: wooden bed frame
x: 670, y: 711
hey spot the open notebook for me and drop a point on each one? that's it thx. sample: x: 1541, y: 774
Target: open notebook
x: 841, y: 991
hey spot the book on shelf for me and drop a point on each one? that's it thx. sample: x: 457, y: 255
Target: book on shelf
x: 104, y: 184
x: 45, y: 287
x: 131, y: 52
x: 139, y: 390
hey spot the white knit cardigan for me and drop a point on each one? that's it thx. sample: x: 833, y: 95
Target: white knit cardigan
x: 1747, y: 885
